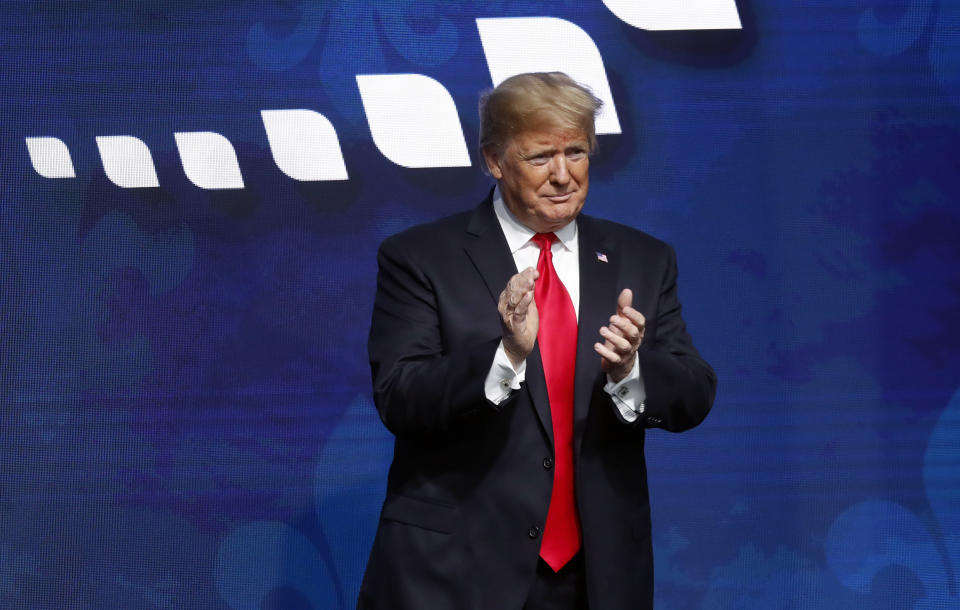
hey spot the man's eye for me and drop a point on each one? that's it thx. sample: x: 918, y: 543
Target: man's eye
x: 576, y: 154
x: 538, y: 160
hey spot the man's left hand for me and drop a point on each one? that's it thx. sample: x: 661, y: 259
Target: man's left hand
x: 622, y: 338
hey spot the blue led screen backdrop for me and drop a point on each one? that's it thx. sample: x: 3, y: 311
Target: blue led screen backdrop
x: 191, y: 198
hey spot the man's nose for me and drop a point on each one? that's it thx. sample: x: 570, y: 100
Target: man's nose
x: 558, y: 170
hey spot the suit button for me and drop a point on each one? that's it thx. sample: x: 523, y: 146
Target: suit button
x: 534, y: 532
x: 548, y: 463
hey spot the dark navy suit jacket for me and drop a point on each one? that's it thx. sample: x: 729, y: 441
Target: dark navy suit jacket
x: 470, y: 482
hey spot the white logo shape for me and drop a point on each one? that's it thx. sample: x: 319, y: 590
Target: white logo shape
x: 304, y: 144
x: 127, y: 162
x: 677, y: 15
x: 514, y: 45
x: 50, y: 157
x: 209, y: 160
x: 413, y: 120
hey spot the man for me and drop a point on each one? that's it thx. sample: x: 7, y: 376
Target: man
x: 519, y: 351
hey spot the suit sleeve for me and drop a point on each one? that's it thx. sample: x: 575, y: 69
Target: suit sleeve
x: 680, y: 385
x: 420, y: 385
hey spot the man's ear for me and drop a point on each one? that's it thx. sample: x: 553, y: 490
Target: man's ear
x: 492, y: 159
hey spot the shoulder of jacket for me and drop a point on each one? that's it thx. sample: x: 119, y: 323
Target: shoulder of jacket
x: 625, y: 235
x: 429, y: 234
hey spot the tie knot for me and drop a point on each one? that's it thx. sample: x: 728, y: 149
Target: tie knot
x: 544, y: 240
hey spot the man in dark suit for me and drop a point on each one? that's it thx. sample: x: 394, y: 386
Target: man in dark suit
x: 519, y: 352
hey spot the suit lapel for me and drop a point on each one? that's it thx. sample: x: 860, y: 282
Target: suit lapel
x: 598, y: 301
x: 488, y: 249
x: 490, y: 254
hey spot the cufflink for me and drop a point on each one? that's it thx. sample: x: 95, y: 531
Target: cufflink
x: 622, y: 392
x: 505, y: 384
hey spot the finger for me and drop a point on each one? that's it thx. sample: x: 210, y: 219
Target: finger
x: 522, y: 282
x: 620, y: 344
x: 517, y: 279
x: 627, y: 329
x: 524, y: 304
x: 621, y: 326
x: 634, y: 316
x: 515, y: 290
x: 502, y: 301
x: 515, y: 283
x: 624, y: 300
x: 607, y: 353
x: 617, y: 343
x: 526, y: 278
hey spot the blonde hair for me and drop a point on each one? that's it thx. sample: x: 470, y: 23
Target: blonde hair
x: 527, y: 101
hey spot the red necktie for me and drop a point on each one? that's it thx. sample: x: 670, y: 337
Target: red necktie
x: 557, y: 337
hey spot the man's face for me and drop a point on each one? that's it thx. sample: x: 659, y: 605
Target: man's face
x: 543, y: 176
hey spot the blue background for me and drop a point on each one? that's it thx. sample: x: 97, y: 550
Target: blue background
x: 186, y: 417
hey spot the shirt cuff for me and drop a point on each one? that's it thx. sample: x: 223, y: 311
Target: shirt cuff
x: 629, y: 394
x: 503, y: 379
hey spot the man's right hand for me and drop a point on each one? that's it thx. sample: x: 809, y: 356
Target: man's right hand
x: 518, y: 315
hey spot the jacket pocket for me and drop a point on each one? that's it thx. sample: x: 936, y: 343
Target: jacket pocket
x: 430, y: 515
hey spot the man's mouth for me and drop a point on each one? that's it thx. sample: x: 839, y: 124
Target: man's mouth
x: 561, y: 198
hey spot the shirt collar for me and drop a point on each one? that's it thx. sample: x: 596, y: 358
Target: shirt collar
x: 518, y: 234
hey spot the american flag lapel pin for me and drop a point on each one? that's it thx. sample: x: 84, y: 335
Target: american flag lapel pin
x: 602, y: 257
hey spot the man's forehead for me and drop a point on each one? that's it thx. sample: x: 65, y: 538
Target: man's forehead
x: 550, y: 137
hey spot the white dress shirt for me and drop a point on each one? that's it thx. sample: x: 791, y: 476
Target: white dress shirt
x: 503, y: 379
